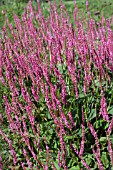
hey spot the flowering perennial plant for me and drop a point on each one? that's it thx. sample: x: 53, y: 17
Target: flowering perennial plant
x: 58, y: 96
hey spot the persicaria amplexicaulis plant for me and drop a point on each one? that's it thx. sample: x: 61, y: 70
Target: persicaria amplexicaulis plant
x: 57, y: 91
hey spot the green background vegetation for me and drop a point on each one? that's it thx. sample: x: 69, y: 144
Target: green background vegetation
x: 96, y: 8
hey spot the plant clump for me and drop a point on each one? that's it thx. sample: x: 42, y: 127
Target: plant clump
x: 57, y: 80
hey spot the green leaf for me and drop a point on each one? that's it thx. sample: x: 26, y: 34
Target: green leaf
x: 107, y: 125
x: 48, y: 115
x: 104, y: 159
x: 68, y: 90
x: 56, y: 165
x: 111, y: 138
x: 88, y: 161
x: 60, y: 68
x: 92, y: 114
x: 103, y: 139
x: 81, y: 95
x: 97, y: 83
x: 110, y: 110
x: 75, y: 167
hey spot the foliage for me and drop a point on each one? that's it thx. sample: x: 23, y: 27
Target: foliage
x: 57, y: 90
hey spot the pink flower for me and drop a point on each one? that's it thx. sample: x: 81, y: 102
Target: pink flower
x: 11, y: 147
x: 27, y: 159
x: 110, y: 150
x: 1, y: 165
x: 96, y: 138
x: 103, y: 109
x: 110, y: 127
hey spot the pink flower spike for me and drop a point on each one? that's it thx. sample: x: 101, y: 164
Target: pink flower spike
x: 110, y: 150
x: 103, y: 109
x: 87, y: 4
x: 1, y: 165
x: 110, y: 127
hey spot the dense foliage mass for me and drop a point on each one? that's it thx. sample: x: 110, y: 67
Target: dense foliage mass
x: 57, y: 86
